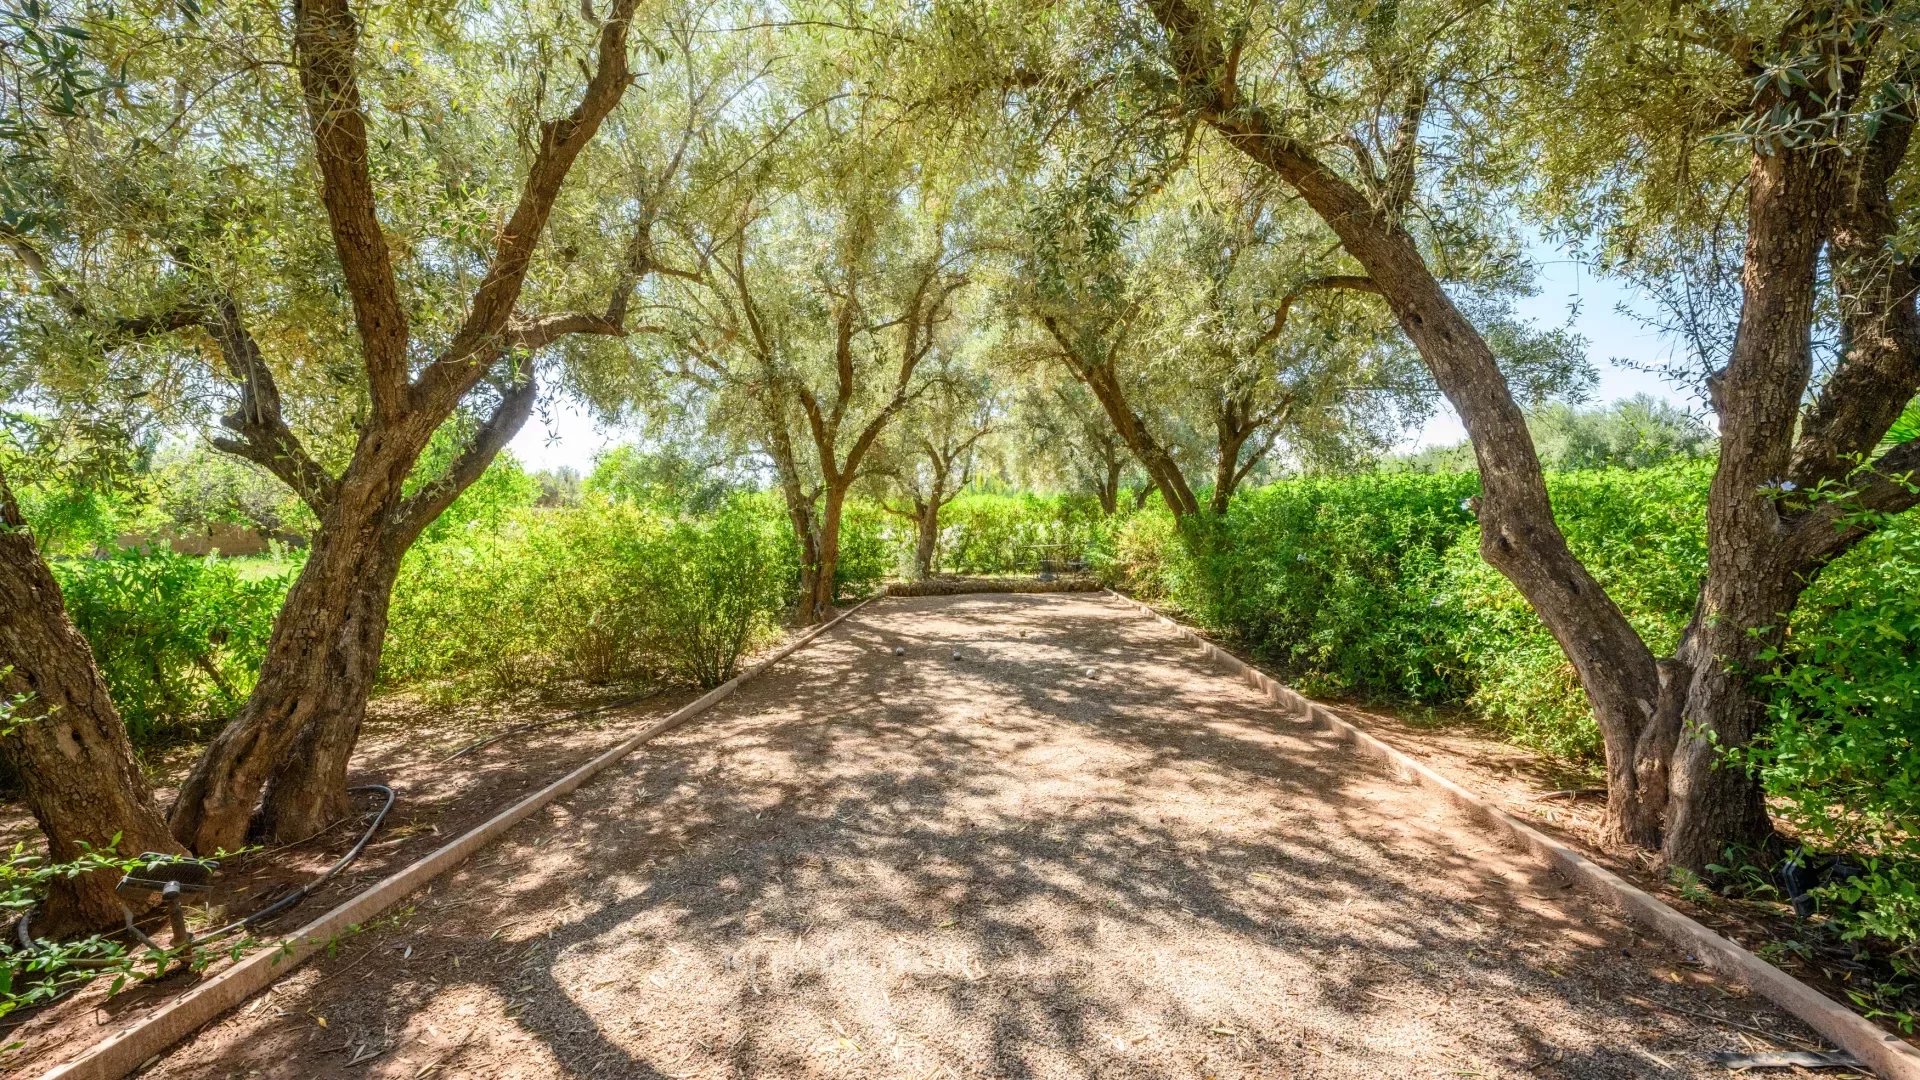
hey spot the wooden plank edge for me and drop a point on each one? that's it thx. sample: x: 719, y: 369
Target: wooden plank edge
x: 1885, y: 1053
x: 137, y: 1044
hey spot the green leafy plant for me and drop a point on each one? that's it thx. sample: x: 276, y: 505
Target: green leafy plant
x: 178, y: 639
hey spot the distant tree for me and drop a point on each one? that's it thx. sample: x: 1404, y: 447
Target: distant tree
x: 559, y: 488
x: 1631, y: 433
x: 1064, y: 440
x: 696, y: 478
x: 814, y: 302
x: 931, y: 455
x: 196, y: 487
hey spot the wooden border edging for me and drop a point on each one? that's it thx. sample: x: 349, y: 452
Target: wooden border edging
x: 132, y: 1047
x: 1886, y: 1054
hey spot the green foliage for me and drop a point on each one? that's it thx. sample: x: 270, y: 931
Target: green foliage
x: 1638, y: 432
x: 1014, y: 533
x: 178, y: 639
x: 1842, y: 754
x: 1341, y: 582
x: 1642, y: 533
x: 609, y: 592
x: 668, y: 476
x: 1633, y: 433
x: 36, y: 974
x: 716, y: 589
x: 199, y: 486
x: 1372, y: 586
x: 868, y: 549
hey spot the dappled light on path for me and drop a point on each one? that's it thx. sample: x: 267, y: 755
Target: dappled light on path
x: 1075, y: 851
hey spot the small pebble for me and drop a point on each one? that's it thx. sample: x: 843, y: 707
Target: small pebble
x: 1092, y: 674
x: 956, y: 654
x: 899, y: 650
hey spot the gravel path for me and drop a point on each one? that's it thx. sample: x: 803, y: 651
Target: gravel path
x: 1077, y: 851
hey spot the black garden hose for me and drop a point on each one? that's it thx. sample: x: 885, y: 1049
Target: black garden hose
x: 27, y: 942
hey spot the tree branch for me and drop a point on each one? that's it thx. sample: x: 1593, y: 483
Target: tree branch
x: 325, y: 40
x: 264, y: 437
x: 1355, y: 282
x: 470, y: 353
x: 419, y: 509
x: 117, y: 331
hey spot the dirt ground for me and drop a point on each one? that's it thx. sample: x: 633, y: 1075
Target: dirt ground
x: 1074, y: 851
x: 406, y: 744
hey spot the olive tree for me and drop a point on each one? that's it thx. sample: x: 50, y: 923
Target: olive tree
x: 1809, y: 109
x: 185, y: 221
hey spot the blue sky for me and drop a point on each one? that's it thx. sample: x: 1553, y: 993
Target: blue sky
x: 1612, y: 315
x: 1607, y: 307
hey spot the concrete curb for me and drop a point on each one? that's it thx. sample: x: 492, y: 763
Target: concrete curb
x: 130, y: 1048
x: 1887, y: 1055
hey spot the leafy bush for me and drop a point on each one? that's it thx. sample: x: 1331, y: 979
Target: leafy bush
x: 1842, y: 755
x: 1340, y: 582
x: 1373, y: 586
x: 869, y: 548
x: 608, y: 592
x: 179, y: 639
x: 1643, y: 535
x: 715, y: 589
x: 1014, y: 533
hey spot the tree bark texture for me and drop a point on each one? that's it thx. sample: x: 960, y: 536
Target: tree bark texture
x: 65, y: 739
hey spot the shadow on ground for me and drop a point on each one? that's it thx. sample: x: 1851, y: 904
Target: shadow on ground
x: 1075, y: 851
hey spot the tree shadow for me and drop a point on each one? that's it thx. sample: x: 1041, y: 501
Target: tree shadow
x: 1074, y: 851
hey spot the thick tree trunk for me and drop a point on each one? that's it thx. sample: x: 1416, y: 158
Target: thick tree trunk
x: 816, y: 602
x: 926, y: 543
x: 1750, y: 587
x: 307, y: 790
x: 1107, y: 488
x: 61, y: 733
x: 319, y: 665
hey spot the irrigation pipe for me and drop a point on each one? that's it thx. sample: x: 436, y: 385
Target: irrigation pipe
x: 138, y: 1043
x: 1885, y: 1053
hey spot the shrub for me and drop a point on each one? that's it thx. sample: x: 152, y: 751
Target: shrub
x: 608, y: 592
x: 716, y: 585
x: 1841, y: 757
x: 1643, y: 535
x: 869, y: 548
x: 178, y: 639
x: 1340, y: 582
x: 1014, y: 533
x: 1372, y: 585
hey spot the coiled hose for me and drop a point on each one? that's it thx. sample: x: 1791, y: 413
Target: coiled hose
x: 28, y: 943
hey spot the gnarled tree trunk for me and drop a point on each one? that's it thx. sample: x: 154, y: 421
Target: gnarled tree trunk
x: 60, y: 731
x: 306, y: 791
x: 318, y: 669
x: 926, y: 536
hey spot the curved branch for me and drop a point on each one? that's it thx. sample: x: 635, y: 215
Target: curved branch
x: 264, y: 437
x: 467, y: 357
x: 1355, y: 282
x: 419, y: 509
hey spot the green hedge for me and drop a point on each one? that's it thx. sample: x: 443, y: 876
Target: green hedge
x: 178, y: 639
x: 1372, y: 586
x: 1013, y: 533
x: 606, y: 592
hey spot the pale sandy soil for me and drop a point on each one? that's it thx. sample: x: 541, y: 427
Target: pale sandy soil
x: 1075, y: 852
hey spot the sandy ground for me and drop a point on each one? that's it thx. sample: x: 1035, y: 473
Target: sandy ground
x: 1075, y: 852
x: 406, y: 744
